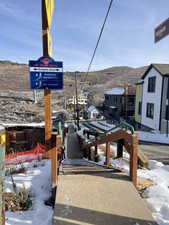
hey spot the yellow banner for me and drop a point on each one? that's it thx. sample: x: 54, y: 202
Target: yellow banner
x: 49, y: 44
x: 49, y: 10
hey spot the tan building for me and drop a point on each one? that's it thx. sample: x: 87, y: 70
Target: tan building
x: 138, y: 101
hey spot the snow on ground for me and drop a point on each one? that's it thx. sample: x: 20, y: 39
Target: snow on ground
x: 153, y: 137
x: 37, y: 180
x: 157, y: 196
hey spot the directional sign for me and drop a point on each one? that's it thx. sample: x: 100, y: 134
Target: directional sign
x: 161, y: 31
x: 45, y: 73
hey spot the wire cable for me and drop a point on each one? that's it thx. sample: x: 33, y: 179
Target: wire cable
x: 101, y: 32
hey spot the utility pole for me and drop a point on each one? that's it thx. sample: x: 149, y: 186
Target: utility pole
x: 77, y: 103
x: 35, y: 96
x: 126, y: 94
x: 47, y: 93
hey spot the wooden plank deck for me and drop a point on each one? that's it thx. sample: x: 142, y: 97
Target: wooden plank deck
x: 90, y: 195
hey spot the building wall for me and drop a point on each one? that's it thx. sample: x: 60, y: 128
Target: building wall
x: 164, y: 103
x: 154, y: 98
x: 120, y: 106
x: 93, y: 114
x: 114, y: 101
x: 139, y: 92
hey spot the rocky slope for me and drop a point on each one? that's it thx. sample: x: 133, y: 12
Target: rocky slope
x: 17, y: 100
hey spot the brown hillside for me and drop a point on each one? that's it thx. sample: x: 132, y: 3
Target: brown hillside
x: 14, y: 76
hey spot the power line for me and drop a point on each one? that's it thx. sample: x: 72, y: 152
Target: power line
x: 91, y: 61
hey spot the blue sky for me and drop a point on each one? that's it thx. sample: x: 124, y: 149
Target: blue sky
x: 128, y: 38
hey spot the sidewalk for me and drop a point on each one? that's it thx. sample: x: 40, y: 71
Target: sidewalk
x: 97, y: 198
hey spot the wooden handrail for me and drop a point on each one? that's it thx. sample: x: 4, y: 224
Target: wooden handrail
x: 129, y: 141
x: 119, y: 134
x: 54, y: 160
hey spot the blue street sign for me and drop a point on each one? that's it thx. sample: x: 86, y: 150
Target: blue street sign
x: 45, y: 73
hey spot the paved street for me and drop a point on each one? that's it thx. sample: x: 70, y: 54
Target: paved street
x: 156, y: 151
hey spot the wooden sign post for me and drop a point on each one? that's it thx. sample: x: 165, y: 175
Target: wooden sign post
x: 47, y: 93
x: 2, y: 173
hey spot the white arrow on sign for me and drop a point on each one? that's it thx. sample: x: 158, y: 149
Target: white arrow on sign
x: 43, y: 69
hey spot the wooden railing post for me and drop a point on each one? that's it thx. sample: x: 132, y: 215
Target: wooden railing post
x: 88, y: 135
x: 54, y: 160
x: 2, y: 173
x: 120, y: 144
x: 89, y: 153
x: 95, y: 151
x: 107, y: 161
x: 64, y: 132
x: 133, y: 160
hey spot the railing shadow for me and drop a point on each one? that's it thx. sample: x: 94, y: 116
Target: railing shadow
x: 71, y: 215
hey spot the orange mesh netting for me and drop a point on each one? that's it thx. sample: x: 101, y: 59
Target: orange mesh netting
x: 26, y: 156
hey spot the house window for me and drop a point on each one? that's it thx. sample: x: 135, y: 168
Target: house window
x: 151, y: 84
x: 139, y: 108
x: 150, y: 110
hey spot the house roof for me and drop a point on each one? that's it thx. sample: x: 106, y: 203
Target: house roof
x: 163, y: 69
x: 140, y: 82
x: 92, y: 107
x: 129, y: 90
x: 115, y: 91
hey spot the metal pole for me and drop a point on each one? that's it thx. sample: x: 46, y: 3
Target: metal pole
x: 77, y: 104
x: 47, y: 93
x: 126, y: 90
x: 35, y: 96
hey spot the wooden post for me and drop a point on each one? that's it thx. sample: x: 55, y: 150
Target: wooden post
x: 88, y: 135
x: 48, y: 120
x: 107, y: 161
x: 54, y: 160
x: 47, y: 93
x: 2, y: 173
x: 95, y: 152
x: 133, y: 160
x: 120, y: 144
x: 89, y: 153
x: 64, y: 133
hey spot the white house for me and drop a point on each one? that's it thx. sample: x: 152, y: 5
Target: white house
x: 155, y: 95
x: 93, y: 112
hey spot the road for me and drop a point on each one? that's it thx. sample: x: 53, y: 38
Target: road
x: 157, y: 152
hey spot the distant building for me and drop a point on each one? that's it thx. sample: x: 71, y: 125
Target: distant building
x: 93, y: 112
x: 82, y: 100
x: 152, y: 101
x: 119, y: 103
x: 138, y: 101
